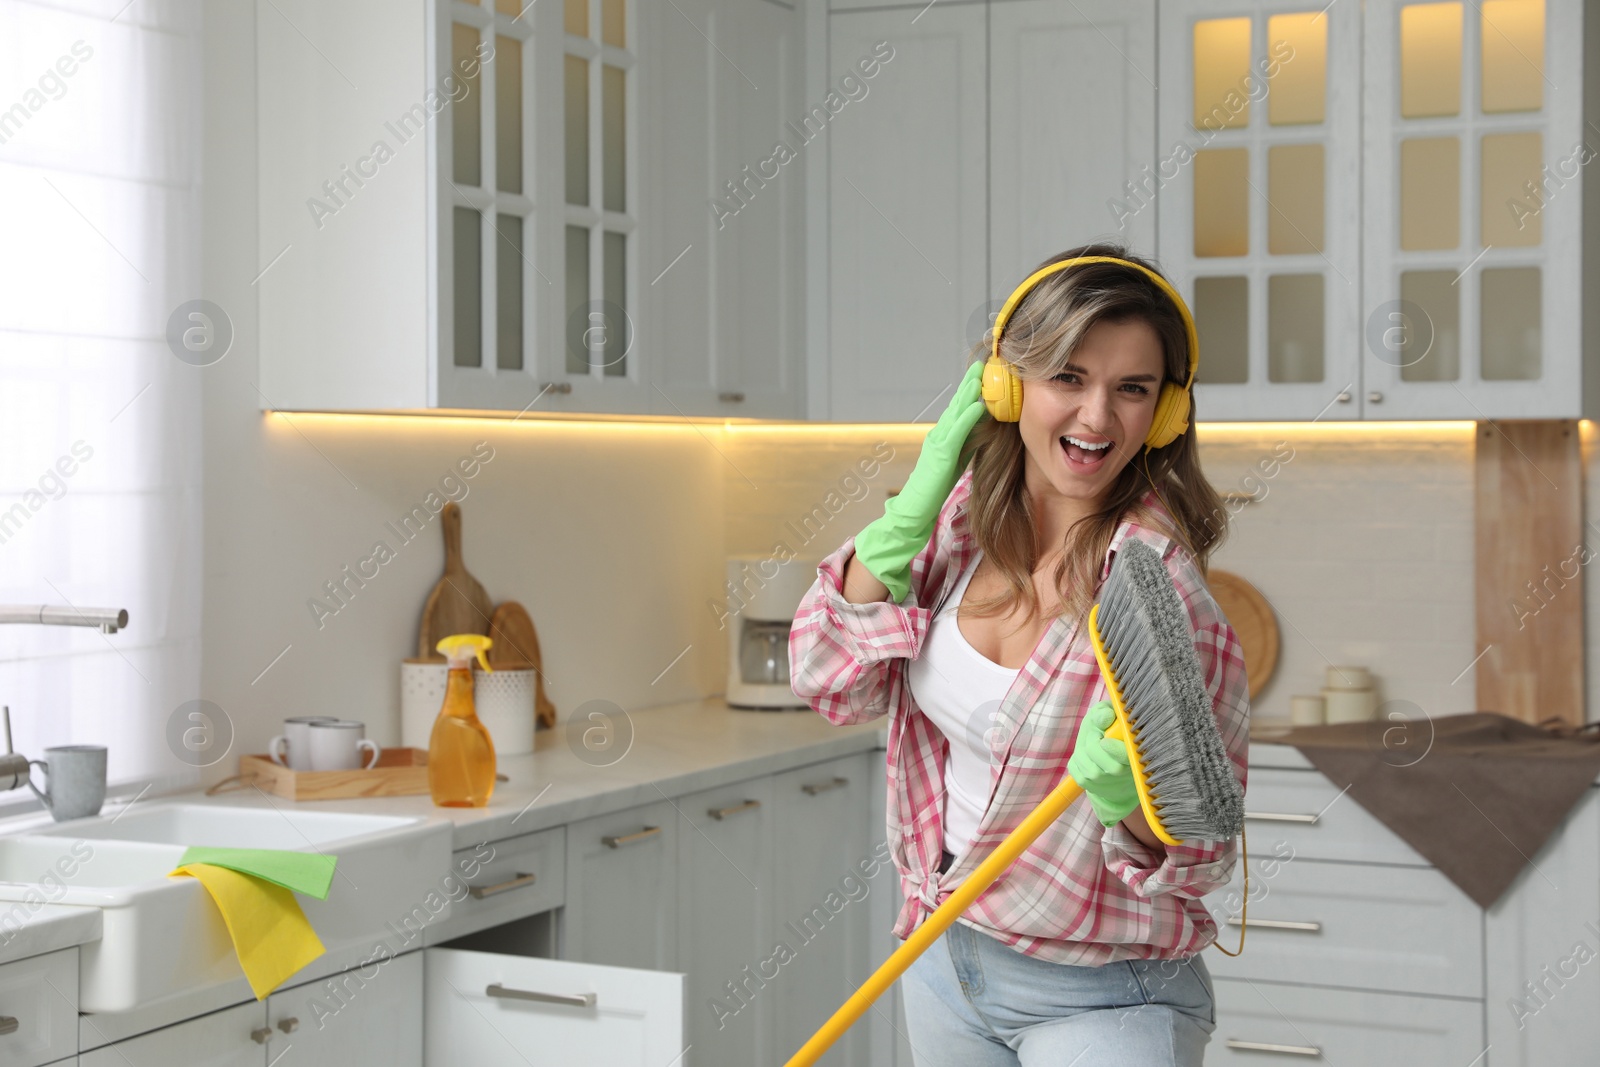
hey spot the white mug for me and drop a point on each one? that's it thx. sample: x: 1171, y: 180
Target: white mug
x: 337, y: 744
x: 297, y: 740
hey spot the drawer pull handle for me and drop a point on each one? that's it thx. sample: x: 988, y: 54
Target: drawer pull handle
x: 479, y: 892
x: 628, y: 839
x: 289, y: 1025
x: 8, y: 1024
x: 1267, y: 1046
x: 1278, y: 924
x: 813, y: 788
x: 577, y: 1000
x: 261, y: 1035
x: 723, y: 813
x: 1278, y: 816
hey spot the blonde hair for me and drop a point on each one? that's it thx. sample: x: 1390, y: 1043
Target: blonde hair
x: 1040, y: 337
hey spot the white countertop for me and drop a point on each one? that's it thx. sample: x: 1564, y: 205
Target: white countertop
x: 676, y: 750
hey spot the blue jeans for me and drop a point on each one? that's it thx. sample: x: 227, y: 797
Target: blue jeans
x: 974, y: 1001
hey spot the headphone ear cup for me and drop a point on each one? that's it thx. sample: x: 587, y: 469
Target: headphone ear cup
x: 1002, y: 391
x: 1171, y: 418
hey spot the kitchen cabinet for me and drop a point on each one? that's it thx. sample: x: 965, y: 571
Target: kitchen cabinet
x: 1374, y: 210
x: 365, y: 1015
x: 996, y: 136
x: 39, y: 1008
x: 492, y: 1008
x: 906, y: 206
x: 726, y: 885
x: 1072, y: 125
x: 233, y: 1037
x: 1260, y: 202
x: 516, y: 211
x: 819, y: 901
x: 723, y: 253
x: 1473, y: 141
x: 1360, y: 951
x: 622, y: 899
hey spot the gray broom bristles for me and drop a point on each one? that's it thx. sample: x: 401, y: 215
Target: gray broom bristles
x: 1147, y: 639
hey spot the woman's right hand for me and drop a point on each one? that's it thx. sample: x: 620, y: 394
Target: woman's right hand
x: 888, y: 544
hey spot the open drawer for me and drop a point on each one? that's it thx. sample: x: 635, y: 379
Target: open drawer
x: 492, y: 1000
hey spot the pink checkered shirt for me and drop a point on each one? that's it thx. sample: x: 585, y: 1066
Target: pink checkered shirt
x: 1082, y: 893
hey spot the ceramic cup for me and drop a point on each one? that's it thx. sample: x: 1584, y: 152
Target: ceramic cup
x: 76, y: 776
x: 337, y: 744
x: 297, y: 741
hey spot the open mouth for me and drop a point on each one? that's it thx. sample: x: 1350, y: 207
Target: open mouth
x: 1083, y: 454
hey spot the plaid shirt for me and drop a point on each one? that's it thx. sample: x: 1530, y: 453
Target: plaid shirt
x: 1082, y: 893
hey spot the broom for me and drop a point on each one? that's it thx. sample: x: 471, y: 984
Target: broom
x: 1185, y: 781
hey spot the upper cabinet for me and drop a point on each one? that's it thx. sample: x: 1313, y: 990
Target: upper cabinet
x: 1413, y: 252
x: 1472, y: 153
x: 1259, y: 190
x: 494, y: 205
x: 971, y: 142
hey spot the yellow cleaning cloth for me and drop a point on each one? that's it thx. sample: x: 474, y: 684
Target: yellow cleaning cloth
x: 270, y: 933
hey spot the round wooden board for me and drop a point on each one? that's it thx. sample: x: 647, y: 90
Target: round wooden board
x: 1252, y: 619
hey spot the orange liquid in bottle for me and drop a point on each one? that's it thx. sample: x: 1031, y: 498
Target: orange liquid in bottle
x: 460, y: 752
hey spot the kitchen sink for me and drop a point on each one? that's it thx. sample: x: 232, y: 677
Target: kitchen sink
x: 224, y: 827
x: 163, y: 937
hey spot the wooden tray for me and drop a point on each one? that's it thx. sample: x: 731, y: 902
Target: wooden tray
x: 400, y: 772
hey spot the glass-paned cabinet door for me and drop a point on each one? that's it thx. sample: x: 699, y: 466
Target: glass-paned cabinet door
x: 533, y: 172
x: 1259, y: 183
x: 1473, y: 147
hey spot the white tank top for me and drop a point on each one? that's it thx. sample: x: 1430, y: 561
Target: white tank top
x: 960, y: 689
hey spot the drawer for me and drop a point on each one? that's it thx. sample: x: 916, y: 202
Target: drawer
x: 1305, y: 810
x: 501, y: 881
x: 1400, y: 929
x: 39, y: 996
x: 1260, y: 1024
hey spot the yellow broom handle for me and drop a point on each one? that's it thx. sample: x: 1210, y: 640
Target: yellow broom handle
x: 1016, y: 842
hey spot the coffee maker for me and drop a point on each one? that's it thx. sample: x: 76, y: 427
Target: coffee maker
x: 763, y: 594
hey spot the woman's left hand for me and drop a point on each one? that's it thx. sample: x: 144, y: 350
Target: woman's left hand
x: 1100, y: 765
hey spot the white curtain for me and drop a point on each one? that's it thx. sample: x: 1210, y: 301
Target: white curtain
x: 99, y: 420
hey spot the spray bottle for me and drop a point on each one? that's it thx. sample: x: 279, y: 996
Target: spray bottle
x: 460, y: 752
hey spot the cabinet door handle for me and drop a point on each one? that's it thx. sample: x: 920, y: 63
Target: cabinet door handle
x: 628, y: 839
x: 813, y: 788
x: 1282, y: 816
x: 1277, y: 924
x: 731, y: 398
x: 1267, y: 1046
x: 289, y: 1025
x: 577, y: 1000
x: 479, y: 892
x: 1344, y: 397
x: 8, y: 1024
x: 261, y: 1035
x: 723, y: 813
x: 555, y: 387
x: 1374, y: 397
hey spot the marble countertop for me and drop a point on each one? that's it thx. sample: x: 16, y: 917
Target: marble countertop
x: 657, y: 753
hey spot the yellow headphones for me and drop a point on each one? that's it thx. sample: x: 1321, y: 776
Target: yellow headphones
x: 1002, y: 389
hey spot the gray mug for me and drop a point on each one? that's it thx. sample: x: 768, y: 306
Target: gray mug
x: 76, y: 776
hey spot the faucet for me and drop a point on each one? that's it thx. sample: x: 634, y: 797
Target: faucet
x: 13, y: 764
x: 107, y: 620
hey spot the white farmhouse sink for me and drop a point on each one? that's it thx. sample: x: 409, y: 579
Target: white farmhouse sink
x: 163, y: 936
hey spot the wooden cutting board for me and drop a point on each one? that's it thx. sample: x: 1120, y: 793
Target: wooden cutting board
x: 458, y: 603
x: 516, y: 646
x: 1254, y: 623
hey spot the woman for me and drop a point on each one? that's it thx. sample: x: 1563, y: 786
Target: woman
x: 962, y: 614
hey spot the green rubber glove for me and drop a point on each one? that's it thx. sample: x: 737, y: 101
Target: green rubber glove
x: 1101, y: 766
x: 888, y: 544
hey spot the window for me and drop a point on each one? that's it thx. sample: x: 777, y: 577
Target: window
x: 101, y: 363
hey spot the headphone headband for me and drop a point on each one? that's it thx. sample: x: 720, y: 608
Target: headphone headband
x: 1165, y: 286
